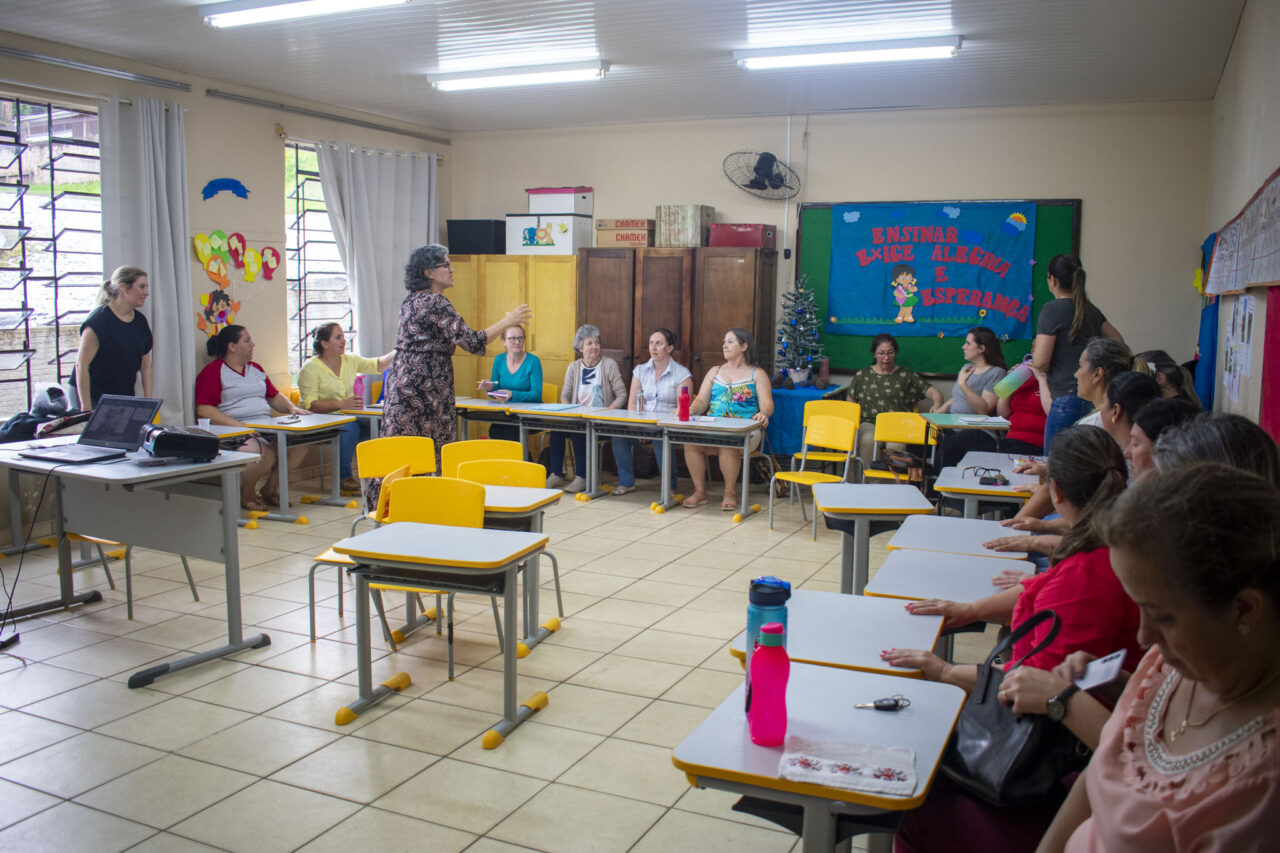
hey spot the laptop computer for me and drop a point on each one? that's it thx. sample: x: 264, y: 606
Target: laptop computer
x: 113, y: 430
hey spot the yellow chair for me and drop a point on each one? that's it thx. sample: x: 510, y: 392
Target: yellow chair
x: 898, y: 428
x: 836, y: 408
x: 457, y: 452
x: 503, y: 472
x: 834, y: 433
x: 377, y: 457
x: 121, y: 551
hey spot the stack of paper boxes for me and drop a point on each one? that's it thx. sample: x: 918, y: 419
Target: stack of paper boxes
x: 629, y: 233
x: 558, y: 222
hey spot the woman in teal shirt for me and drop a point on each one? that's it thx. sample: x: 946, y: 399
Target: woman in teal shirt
x: 516, y: 376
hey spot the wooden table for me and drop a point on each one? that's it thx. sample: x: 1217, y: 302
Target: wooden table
x: 954, y: 536
x: 451, y: 559
x: 863, y: 503
x: 719, y: 753
x: 307, y: 429
x: 964, y: 483
x: 850, y: 631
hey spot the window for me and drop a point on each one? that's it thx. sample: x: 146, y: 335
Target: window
x: 317, y: 279
x: 50, y: 242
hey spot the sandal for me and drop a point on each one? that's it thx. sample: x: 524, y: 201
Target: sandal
x: 253, y: 504
x: 271, y: 498
x: 694, y: 501
x: 729, y: 504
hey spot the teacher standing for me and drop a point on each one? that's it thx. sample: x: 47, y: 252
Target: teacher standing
x: 115, y: 340
x: 419, y: 398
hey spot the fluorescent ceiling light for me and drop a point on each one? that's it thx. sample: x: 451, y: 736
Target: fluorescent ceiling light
x: 531, y: 75
x: 889, y: 50
x: 238, y: 13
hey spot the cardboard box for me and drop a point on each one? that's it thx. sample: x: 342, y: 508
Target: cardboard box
x: 744, y: 234
x: 624, y: 224
x: 477, y: 236
x: 682, y: 226
x: 547, y: 234
x: 631, y: 237
x: 577, y: 200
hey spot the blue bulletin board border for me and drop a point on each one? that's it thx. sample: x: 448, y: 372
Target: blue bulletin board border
x: 1057, y: 231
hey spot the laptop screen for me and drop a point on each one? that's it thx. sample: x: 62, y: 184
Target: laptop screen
x: 117, y: 421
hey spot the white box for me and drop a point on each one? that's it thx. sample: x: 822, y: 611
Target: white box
x: 579, y: 200
x: 547, y: 233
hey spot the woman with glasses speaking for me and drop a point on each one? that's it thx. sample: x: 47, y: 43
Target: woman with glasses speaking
x: 419, y: 398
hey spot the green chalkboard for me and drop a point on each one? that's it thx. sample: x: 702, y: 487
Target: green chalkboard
x: 1057, y: 231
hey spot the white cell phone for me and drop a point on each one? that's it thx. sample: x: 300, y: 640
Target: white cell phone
x: 1101, y: 671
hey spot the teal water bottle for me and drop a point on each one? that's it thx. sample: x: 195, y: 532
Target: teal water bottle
x: 766, y: 602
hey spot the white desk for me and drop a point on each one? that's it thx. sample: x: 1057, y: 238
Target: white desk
x: 630, y: 423
x: 712, y: 432
x: 153, y: 507
x: 452, y: 559
x: 850, y: 631
x: 1004, y: 462
x: 963, y: 482
x: 864, y: 503
x: 907, y: 573
x: 480, y: 410
x: 307, y: 429
x: 535, y: 417
x: 954, y: 536
x: 719, y: 753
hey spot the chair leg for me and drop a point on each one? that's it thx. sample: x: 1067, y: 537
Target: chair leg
x: 111, y: 581
x: 815, y: 516
x: 186, y: 567
x: 128, y: 581
x: 439, y: 611
x: 449, y: 599
x: 311, y: 597
x: 341, y: 591
x: 382, y: 617
x: 771, y: 504
x: 497, y: 621
x: 555, y: 573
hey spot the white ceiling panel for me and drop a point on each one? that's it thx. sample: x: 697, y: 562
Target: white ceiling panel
x: 669, y: 59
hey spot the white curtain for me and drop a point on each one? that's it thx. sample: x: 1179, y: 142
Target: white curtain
x: 382, y: 206
x: 145, y: 224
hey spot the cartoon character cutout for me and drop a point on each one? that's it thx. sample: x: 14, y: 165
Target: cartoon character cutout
x: 904, y: 292
x: 217, y: 312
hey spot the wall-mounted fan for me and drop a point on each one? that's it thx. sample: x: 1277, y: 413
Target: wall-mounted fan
x: 761, y: 174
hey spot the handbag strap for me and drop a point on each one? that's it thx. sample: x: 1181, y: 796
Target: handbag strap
x: 1037, y: 619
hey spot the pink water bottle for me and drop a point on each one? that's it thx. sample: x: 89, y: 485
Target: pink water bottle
x: 767, y: 705
x: 357, y: 388
x: 684, y: 403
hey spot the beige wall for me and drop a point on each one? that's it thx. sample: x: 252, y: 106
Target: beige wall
x: 224, y: 140
x: 1244, y: 151
x: 1140, y: 169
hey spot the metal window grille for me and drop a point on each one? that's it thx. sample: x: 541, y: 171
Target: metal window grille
x: 50, y: 242
x: 317, y: 279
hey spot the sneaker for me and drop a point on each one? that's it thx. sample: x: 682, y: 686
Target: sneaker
x: 577, y: 484
x: 555, y: 481
x: 622, y: 490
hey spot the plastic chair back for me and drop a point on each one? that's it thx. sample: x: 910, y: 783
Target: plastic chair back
x: 836, y: 408
x: 377, y: 457
x: 503, y: 472
x: 904, y: 428
x: 550, y: 393
x: 833, y: 433
x: 383, y: 511
x: 454, y: 454
x: 437, y: 500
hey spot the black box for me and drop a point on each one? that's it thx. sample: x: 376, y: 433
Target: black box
x: 477, y: 236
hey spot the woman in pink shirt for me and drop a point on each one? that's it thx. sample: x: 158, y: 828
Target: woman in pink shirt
x: 1189, y: 759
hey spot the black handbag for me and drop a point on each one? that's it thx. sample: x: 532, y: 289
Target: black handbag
x: 1007, y: 759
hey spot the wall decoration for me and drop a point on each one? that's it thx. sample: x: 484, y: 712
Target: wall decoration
x: 217, y: 312
x: 252, y: 264
x: 201, y: 244
x: 216, y: 269
x: 230, y: 185
x: 235, y: 248
x: 917, y: 269
x: 218, y: 245
x: 1247, y: 251
x: 270, y: 261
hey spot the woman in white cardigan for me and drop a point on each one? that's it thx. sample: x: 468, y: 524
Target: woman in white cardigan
x: 592, y: 381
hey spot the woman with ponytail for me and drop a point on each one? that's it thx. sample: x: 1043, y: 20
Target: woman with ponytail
x: 1065, y: 325
x: 1086, y: 476
x: 115, y: 341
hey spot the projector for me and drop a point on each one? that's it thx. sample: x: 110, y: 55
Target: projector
x: 182, y: 442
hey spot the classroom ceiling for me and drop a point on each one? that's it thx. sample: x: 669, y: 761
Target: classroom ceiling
x: 669, y: 59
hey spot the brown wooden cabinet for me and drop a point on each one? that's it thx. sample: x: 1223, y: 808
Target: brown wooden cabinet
x: 663, y: 299
x: 732, y: 287
x: 606, y: 298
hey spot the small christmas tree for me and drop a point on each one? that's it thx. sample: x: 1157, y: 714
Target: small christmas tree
x: 798, y: 344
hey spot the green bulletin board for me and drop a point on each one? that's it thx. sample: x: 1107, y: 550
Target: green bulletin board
x: 1057, y: 231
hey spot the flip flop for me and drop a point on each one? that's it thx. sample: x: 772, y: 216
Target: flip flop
x: 727, y: 505
x: 693, y: 501
x: 255, y: 504
x: 271, y: 499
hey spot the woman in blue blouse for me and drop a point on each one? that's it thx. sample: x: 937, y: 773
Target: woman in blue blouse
x: 735, y: 389
x: 517, y: 376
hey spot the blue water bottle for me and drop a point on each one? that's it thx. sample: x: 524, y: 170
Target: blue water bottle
x: 766, y: 602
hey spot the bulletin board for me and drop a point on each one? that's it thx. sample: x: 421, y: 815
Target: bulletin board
x: 1057, y: 230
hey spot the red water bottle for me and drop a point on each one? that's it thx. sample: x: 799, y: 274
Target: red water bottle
x: 770, y: 669
x: 684, y: 403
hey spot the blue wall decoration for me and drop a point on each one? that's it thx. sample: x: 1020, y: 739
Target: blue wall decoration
x: 230, y: 185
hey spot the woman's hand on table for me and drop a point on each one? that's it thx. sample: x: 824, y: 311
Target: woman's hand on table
x: 761, y: 418
x: 1027, y: 690
x: 1009, y: 578
x: 1030, y: 466
x: 953, y: 613
x: 1031, y: 525
x: 1008, y: 543
x: 933, y: 667
x: 935, y: 408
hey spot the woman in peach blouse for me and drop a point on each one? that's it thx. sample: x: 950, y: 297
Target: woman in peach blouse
x: 1189, y: 759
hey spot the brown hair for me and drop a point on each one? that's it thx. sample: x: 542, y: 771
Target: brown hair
x: 322, y: 334
x: 991, y: 351
x: 1089, y: 469
x: 1068, y: 272
x: 122, y: 277
x: 1112, y: 357
x: 1220, y: 437
x: 1219, y: 531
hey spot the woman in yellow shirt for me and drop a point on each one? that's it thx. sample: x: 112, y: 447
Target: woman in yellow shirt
x: 326, y: 384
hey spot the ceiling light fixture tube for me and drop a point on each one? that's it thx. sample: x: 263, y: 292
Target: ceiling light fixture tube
x: 889, y: 50
x: 238, y: 13
x: 530, y: 75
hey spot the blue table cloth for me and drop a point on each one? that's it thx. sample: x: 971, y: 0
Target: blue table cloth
x: 787, y: 424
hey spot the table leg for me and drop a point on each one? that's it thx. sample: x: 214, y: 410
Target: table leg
x: 666, y: 500
x: 369, y: 695
x: 231, y: 562
x: 970, y: 506
x: 335, y: 497
x: 512, y: 714
x: 534, y: 633
x: 282, y: 473
x: 818, y: 834
x: 861, y: 554
x: 593, y: 467
x: 67, y: 596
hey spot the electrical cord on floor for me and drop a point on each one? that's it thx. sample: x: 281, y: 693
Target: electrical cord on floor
x: 11, y: 589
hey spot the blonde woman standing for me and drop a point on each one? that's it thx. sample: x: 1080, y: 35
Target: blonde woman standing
x: 115, y: 340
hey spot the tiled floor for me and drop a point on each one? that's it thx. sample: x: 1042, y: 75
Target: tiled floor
x: 244, y: 754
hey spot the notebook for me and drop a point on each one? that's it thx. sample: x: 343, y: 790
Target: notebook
x: 113, y: 430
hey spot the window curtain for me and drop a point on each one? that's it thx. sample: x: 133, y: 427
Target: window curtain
x: 145, y: 224
x: 382, y: 206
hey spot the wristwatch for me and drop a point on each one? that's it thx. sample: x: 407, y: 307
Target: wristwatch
x: 1057, y: 710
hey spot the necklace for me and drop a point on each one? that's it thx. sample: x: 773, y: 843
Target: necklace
x: 1188, y: 723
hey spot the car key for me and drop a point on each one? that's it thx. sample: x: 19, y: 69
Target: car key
x: 896, y: 702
